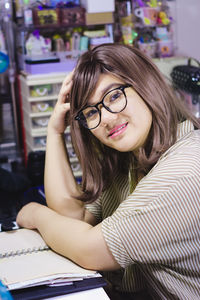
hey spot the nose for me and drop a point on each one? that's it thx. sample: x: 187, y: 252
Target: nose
x: 107, y: 116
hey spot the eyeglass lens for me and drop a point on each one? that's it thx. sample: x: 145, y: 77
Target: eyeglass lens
x: 114, y: 101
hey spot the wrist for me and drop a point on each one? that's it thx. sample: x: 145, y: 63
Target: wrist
x: 53, y: 131
x: 40, y: 213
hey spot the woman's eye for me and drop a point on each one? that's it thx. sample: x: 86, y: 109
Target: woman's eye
x: 115, y: 96
x: 90, y: 113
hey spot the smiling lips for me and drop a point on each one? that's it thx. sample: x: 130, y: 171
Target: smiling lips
x: 117, y: 130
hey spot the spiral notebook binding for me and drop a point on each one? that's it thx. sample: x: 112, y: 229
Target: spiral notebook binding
x: 24, y: 251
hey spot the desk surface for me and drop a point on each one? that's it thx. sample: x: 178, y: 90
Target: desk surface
x: 97, y: 294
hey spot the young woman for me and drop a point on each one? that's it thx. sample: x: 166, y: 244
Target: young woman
x: 137, y: 212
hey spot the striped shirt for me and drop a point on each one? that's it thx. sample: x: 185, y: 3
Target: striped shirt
x: 154, y: 232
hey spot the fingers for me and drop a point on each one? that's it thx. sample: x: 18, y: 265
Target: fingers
x: 63, y: 96
x: 65, y: 108
x: 65, y: 89
x: 60, y: 118
x: 68, y: 78
x: 60, y: 110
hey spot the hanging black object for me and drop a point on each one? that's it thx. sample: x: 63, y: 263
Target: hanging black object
x: 12, y: 188
x: 187, y: 77
x: 35, y: 167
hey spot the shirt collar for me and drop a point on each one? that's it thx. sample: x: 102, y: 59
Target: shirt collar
x: 184, y: 128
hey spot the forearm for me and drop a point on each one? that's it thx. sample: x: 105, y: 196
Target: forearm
x: 61, y: 188
x: 72, y: 238
x: 64, y: 235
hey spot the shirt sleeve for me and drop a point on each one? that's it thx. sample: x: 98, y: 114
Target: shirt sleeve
x: 110, y: 198
x: 158, y: 222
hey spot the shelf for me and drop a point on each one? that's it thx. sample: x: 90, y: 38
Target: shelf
x: 59, y: 27
x: 40, y: 114
x: 42, y: 98
x: 40, y: 79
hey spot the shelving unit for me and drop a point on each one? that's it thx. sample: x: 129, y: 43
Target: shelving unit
x: 38, y: 97
x: 39, y: 83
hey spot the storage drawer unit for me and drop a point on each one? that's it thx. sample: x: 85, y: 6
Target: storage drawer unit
x: 38, y: 97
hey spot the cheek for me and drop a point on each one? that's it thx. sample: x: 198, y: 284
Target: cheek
x: 140, y: 115
x: 140, y: 110
x: 145, y: 120
x: 97, y: 133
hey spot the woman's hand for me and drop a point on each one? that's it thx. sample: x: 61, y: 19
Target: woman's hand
x: 58, y: 120
x: 26, y: 215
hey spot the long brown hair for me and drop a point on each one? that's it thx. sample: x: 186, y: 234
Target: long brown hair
x: 100, y: 163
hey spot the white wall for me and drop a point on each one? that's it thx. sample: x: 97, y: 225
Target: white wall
x: 187, y: 27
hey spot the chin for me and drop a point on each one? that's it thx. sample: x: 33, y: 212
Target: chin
x: 123, y: 149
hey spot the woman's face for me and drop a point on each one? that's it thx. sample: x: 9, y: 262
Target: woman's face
x: 128, y: 129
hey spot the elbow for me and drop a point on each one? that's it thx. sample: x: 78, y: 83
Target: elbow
x: 86, y: 261
x: 89, y: 259
x: 84, y: 256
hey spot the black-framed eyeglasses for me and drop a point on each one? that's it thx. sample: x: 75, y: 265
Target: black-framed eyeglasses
x: 113, y: 101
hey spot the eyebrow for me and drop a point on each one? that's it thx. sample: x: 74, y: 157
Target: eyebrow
x: 107, y: 89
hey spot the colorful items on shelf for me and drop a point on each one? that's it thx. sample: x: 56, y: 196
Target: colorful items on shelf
x: 152, y: 18
x: 55, y: 3
x: 46, y: 106
x: 40, y: 90
x: 156, y: 48
x: 148, y: 48
x: 162, y: 18
x: 46, y: 16
x: 125, y: 32
x: 151, y: 13
x: 71, y: 14
x: 64, y: 46
x: 66, y: 14
x: 136, y: 19
x: 147, y: 15
x: 4, y: 58
x: 4, y: 62
x: 40, y: 122
x: 153, y: 3
x: 165, y: 48
x: 37, y: 44
x: 164, y: 42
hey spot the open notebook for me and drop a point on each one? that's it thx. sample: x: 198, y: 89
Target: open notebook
x: 25, y: 261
